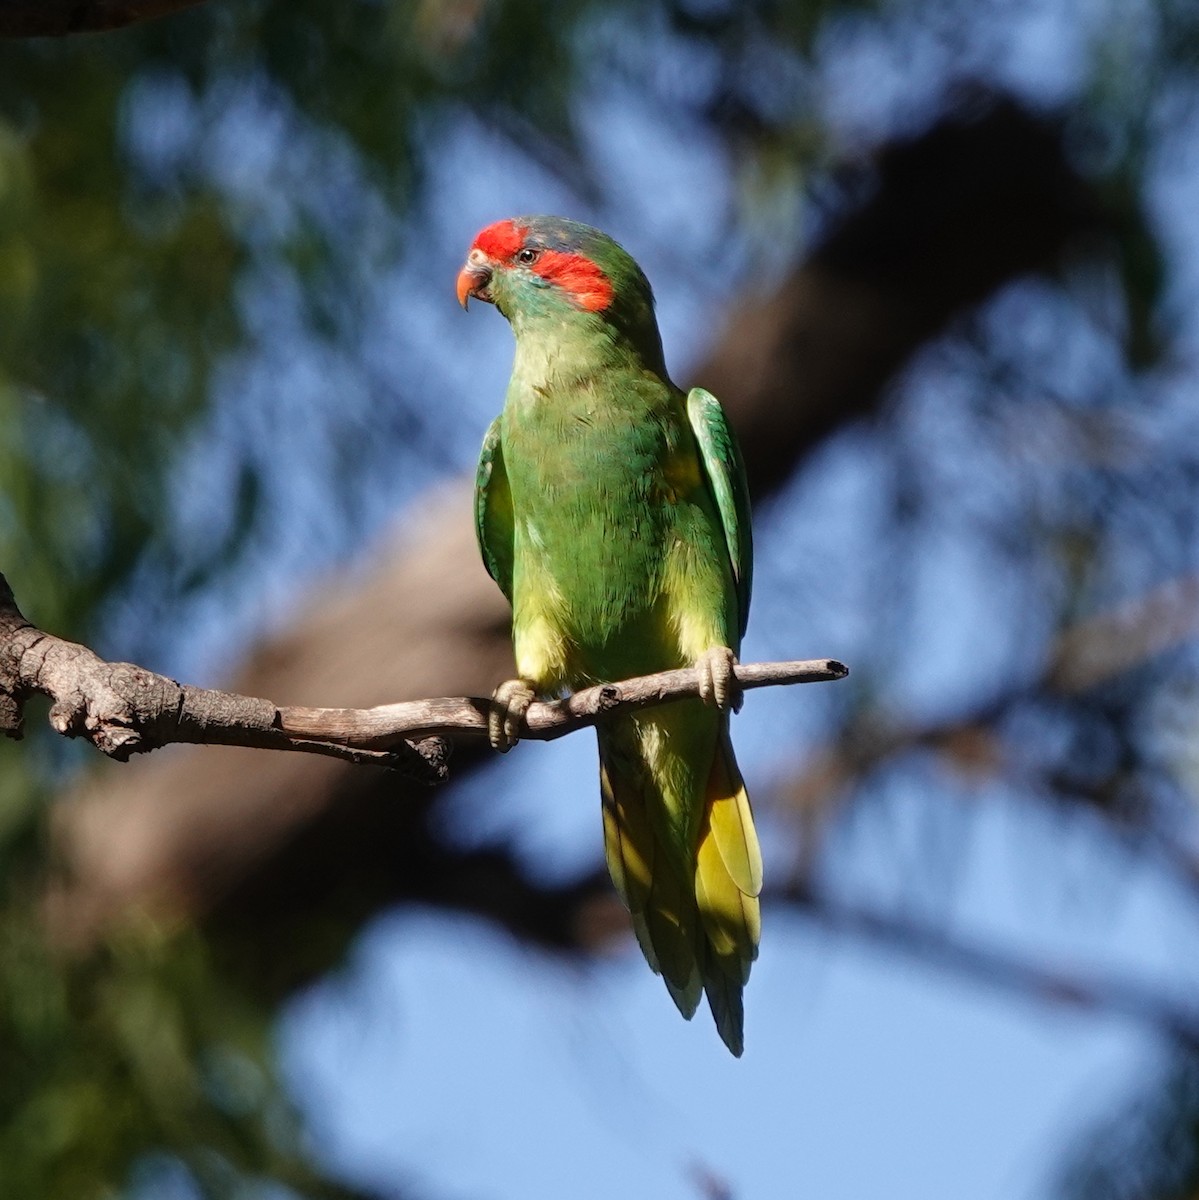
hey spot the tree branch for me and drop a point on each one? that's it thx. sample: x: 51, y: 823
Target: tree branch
x: 123, y: 709
x: 55, y: 18
x: 378, y: 727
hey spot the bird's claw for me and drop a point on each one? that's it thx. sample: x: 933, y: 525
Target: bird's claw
x: 506, y: 717
x: 718, y: 684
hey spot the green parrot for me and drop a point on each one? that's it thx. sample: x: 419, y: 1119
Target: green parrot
x: 611, y: 508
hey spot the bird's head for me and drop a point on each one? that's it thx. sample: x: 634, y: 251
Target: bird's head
x: 534, y: 266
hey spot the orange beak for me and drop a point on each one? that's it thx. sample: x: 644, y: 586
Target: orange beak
x: 472, y: 281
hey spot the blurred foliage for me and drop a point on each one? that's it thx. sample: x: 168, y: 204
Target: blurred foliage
x: 293, y: 139
x: 1149, y: 1150
x: 139, y: 1049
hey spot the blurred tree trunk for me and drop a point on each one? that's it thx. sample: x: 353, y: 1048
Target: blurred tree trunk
x: 287, y: 855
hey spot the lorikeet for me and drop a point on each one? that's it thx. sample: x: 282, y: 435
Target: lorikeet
x: 611, y: 509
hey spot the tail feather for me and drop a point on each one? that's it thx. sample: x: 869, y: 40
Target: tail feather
x: 674, y: 932
x: 662, y: 920
x: 724, y: 1002
x: 628, y: 839
x: 728, y: 867
x: 696, y: 914
x: 730, y: 919
x: 731, y: 821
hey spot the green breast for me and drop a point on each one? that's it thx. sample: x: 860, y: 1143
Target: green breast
x: 593, y: 511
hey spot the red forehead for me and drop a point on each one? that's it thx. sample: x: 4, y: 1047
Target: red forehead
x: 575, y: 274
x: 584, y: 280
x: 501, y: 240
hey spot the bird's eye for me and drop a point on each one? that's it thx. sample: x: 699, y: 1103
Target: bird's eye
x: 527, y: 255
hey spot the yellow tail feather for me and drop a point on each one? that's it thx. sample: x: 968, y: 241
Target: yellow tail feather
x: 663, y: 921
x: 731, y: 821
x: 700, y: 933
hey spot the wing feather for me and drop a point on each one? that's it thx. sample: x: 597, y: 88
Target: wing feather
x: 494, y: 522
x: 725, y: 473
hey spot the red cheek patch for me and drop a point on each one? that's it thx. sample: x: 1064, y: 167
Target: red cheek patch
x: 501, y: 240
x: 586, y: 284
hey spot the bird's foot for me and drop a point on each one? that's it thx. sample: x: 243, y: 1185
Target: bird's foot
x: 506, y: 717
x: 717, y: 683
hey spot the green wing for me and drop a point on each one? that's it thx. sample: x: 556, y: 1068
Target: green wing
x: 726, y: 477
x: 493, y: 510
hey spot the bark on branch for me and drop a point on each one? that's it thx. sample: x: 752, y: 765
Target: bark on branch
x: 546, y: 720
x: 123, y: 709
